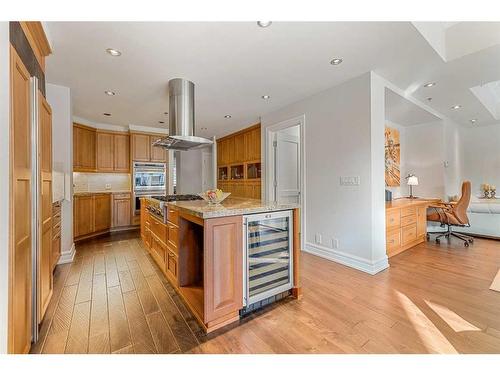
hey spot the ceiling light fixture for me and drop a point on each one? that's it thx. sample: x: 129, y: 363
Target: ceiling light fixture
x: 456, y: 106
x: 110, y: 93
x: 430, y: 84
x: 264, y: 23
x: 429, y: 99
x: 473, y: 121
x: 266, y: 97
x: 336, y: 61
x: 107, y: 114
x: 227, y: 116
x: 113, y: 52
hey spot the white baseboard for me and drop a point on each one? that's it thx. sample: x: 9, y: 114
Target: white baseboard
x: 352, y: 261
x: 67, y: 256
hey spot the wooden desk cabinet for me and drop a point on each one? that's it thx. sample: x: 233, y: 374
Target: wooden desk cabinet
x: 406, y: 224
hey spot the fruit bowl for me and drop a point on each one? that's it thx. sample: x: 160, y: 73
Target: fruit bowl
x: 214, y: 196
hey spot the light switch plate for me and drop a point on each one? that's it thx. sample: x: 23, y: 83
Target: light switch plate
x: 349, y: 181
x: 108, y: 186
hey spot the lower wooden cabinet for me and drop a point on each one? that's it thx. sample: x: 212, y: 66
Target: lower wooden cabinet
x: 171, y: 266
x: 122, y: 205
x: 56, y: 233
x: 102, y: 212
x: 97, y: 213
x: 83, y: 215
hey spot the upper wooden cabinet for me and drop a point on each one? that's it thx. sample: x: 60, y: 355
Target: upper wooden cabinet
x: 238, y: 163
x: 121, y: 152
x: 100, y: 151
x: 158, y: 154
x: 105, y: 152
x: 143, y: 149
x: 84, y: 148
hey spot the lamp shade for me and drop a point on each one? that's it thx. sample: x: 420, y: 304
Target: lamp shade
x: 412, y: 180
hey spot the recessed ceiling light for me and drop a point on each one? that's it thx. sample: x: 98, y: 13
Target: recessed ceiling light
x: 113, y: 52
x: 336, y: 61
x: 110, y: 93
x: 264, y: 23
x: 430, y: 84
x: 106, y: 114
x: 473, y: 121
x: 227, y: 116
x: 161, y: 122
x: 266, y: 96
x: 429, y: 99
x: 457, y: 106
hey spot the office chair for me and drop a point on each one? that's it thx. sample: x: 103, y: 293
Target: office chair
x: 452, y: 215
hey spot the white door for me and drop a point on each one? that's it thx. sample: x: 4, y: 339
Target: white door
x: 287, y: 167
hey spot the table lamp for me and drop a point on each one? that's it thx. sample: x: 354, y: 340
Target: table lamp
x: 412, y: 181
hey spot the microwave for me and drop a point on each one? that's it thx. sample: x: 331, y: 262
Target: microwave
x: 149, y: 176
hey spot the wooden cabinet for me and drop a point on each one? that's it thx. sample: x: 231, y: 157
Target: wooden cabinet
x: 406, y: 224
x: 105, y: 152
x: 20, y: 253
x: 223, y: 274
x: 83, y: 215
x: 157, y: 154
x: 113, y: 152
x: 239, y: 148
x: 121, y: 210
x: 45, y: 227
x: 238, y: 163
x: 102, y: 212
x: 84, y: 148
x: 143, y: 149
x: 56, y: 233
x: 121, y: 153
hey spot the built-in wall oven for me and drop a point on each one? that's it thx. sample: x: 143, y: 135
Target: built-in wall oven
x: 268, y: 244
x: 149, y: 179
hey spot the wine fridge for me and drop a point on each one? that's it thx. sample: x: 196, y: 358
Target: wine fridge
x: 268, y: 244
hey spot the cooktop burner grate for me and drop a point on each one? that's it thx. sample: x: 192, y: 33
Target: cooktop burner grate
x: 177, y: 197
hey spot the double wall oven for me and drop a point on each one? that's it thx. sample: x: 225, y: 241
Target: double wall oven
x: 149, y: 179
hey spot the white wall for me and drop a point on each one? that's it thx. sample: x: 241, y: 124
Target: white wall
x: 481, y: 156
x: 189, y: 171
x: 338, y: 142
x: 453, y: 156
x: 4, y: 186
x: 59, y: 98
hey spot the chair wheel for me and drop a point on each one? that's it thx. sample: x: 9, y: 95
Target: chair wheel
x: 471, y: 240
x: 438, y: 240
x: 466, y: 243
x: 428, y: 237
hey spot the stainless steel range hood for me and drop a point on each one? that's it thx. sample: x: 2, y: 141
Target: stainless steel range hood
x: 181, y: 118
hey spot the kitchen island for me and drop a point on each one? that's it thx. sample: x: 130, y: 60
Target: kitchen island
x: 205, y: 252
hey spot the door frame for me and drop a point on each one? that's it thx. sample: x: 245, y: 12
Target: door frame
x: 268, y: 165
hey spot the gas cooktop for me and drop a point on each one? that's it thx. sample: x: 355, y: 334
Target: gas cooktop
x: 177, y: 197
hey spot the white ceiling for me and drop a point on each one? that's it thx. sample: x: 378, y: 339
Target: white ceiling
x: 403, y: 112
x: 234, y: 63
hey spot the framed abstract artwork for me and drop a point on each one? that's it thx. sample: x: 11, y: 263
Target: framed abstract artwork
x: 392, y: 157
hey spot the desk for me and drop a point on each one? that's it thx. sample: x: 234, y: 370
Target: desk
x: 406, y: 223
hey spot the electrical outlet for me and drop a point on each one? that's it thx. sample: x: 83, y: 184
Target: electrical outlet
x: 349, y: 181
x: 335, y: 243
x: 317, y: 238
x: 108, y: 186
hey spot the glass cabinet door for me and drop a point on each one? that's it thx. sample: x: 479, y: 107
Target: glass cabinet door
x: 269, y: 255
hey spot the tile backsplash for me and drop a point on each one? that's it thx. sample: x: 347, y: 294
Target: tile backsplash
x: 88, y: 182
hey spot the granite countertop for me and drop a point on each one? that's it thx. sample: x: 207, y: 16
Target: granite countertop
x: 229, y: 207
x: 102, y: 192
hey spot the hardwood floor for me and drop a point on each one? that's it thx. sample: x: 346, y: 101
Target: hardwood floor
x: 433, y: 299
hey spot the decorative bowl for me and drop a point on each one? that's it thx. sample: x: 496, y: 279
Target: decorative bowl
x: 214, y: 200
